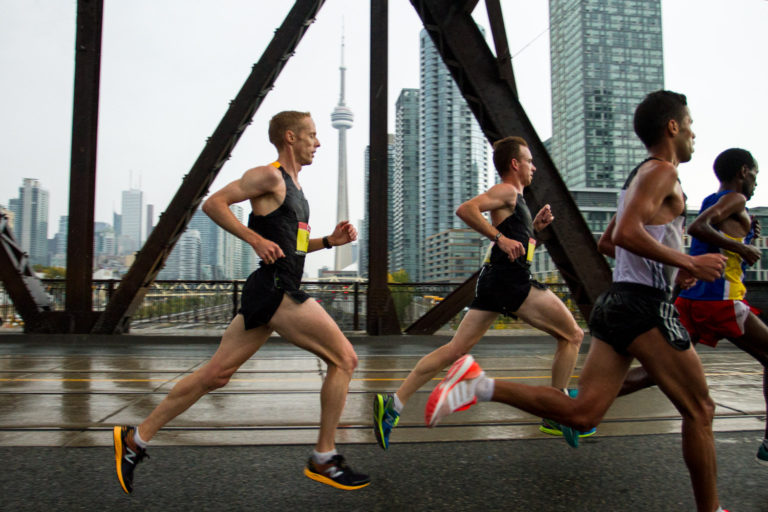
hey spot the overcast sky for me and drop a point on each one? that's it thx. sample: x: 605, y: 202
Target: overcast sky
x: 170, y: 67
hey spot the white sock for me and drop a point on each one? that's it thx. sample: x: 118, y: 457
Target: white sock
x: 398, y: 404
x: 719, y: 509
x: 323, y: 457
x: 138, y: 440
x: 484, y: 388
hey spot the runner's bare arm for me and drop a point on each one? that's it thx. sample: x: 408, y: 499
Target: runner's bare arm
x: 256, y: 183
x: 343, y: 233
x: 497, y: 197
x: 644, y: 206
x: 605, y: 245
x: 704, y: 227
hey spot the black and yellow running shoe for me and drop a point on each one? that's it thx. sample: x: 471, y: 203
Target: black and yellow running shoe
x: 127, y: 455
x: 336, y: 473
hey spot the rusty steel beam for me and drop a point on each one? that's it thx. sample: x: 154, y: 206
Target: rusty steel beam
x: 449, y: 307
x: 500, y: 114
x: 22, y: 285
x: 503, y: 55
x: 82, y: 174
x: 150, y: 260
x: 381, y: 314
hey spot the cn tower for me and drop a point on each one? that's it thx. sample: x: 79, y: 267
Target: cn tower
x: 341, y: 119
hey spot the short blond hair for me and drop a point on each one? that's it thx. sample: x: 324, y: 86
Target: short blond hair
x: 282, y: 122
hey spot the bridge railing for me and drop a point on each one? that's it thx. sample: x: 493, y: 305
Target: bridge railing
x: 212, y: 304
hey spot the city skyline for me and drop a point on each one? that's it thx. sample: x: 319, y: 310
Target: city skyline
x: 155, y: 118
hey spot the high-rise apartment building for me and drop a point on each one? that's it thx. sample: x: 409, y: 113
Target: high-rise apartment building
x: 365, y: 234
x: 132, y: 215
x: 406, y: 226
x: 184, y: 261
x: 453, y: 153
x: 606, y: 55
x: 30, y: 228
x: 222, y: 254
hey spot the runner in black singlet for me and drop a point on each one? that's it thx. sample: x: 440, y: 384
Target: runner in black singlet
x: 278, y: 230
x: 505, y: 286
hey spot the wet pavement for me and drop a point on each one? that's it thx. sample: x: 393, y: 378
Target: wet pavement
x: 251, y: 437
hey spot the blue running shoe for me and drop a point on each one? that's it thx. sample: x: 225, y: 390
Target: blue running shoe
x: 553, y: 428
x: 385, y: 418
x: 762, y: 455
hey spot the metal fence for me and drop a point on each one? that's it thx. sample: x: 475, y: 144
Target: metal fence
x: 212, y: 304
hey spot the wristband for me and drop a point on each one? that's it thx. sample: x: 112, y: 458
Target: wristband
x: 327, y: 243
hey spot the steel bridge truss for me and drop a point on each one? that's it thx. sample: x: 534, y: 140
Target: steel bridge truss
x: 485, y: 80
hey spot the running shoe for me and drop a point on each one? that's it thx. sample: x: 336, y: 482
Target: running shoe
x: 554, y: 428
x: 127, y: 455
x: 762, y: 455
x: 456, y: 392
x: 385, y: 418
x: 336, y: 473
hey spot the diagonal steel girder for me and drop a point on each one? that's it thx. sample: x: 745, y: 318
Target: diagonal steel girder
x: 150, y: 260
x: 24, y: 288
x: 499, y: 113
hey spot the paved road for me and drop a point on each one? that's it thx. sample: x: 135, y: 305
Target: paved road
x: 643, y: 473
x: 67, y: 391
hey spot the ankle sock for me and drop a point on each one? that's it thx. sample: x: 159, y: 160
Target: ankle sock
x: 138, y: 440
x: 323, y: 457
x: 484, y: 389
x: 398, y: 404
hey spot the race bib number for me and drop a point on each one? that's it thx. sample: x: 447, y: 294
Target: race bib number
x: 531, y: 248
x: 302, y: 238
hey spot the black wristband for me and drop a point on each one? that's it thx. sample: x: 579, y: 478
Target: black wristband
x: 327, y: 243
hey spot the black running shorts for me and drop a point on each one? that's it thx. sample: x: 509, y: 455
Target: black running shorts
x: 628, y: 310
x: 262, y: 294
x: 503, y: 289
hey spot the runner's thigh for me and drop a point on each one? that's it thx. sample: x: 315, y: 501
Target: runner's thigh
x: 307, y: 325
x: 543, y: 310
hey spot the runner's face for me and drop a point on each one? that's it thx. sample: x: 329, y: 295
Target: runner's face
x: 685, y: 138
x: 525, y: 166
x: 306, y: 142
x: 750, y: 182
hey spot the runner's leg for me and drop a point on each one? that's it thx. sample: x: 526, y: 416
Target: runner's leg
x: 472, y: 327
x: 543, y: 310
x: 680, y: 375
x: 237, y: 346
x: 307, y: 325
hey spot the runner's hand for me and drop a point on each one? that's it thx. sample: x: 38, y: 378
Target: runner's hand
x: 708, y: 266
x: 544, y: 218
x: 343, y: 233
x: 511, y: 248
x: 750, y: 254
x: 684, y: 279
x: 268, y: 251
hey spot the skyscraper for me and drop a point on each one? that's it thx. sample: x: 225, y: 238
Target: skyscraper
x: 30, y: 228
x: 406, y: 225
x: 341, y: 119
x: 605, y: 57
x: 365, y: 234
x: 453, y: 154
x: 132, y: 215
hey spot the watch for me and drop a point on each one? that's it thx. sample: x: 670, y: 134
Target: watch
x: 327, y: 243
x: 498, y: 235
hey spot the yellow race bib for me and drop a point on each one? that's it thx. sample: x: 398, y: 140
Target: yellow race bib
x: 302, y: 238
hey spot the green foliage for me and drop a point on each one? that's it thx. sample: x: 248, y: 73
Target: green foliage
x: 50, y: 272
